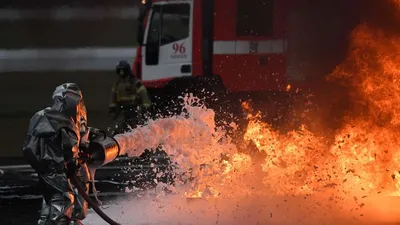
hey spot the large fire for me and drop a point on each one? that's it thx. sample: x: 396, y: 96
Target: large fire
x: 365, y: 154
x: 358, y: 164
x: 363, y: 159
x: 369, y: 144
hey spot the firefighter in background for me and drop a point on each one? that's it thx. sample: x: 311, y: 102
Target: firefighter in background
x: 127, y: 95
x: 51, y: 147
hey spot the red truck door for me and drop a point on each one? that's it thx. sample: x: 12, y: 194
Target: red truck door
x: 167, y: 50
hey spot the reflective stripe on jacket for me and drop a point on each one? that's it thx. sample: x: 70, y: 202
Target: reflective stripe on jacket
x: 129, y: 92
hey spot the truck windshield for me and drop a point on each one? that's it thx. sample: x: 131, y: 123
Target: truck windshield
x: 169, y: 23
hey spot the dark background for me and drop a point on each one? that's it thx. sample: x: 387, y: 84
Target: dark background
x: 24, y: 93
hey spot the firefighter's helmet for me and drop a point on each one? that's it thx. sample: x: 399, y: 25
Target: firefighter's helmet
x: 123, y: 68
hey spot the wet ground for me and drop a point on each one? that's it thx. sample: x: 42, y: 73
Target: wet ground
x: 20, y: 197
x: 25, y: 211
x: 19, y: 211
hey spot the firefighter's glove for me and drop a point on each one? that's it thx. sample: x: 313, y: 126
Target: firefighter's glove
x: 84, y: 157
x: 95, y: 131
x: 96, y: 134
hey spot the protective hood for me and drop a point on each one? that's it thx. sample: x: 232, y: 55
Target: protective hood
x: 47, y: 122
x: 68, y: 110
x: 68, y: 100
x: 67, y: 115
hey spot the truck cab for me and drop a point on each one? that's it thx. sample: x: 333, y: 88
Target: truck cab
x: 264, y: 50
x: 242, y: 42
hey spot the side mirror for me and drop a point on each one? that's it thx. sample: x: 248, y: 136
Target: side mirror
x: 152, y: 53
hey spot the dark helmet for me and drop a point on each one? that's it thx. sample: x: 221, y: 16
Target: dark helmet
x: 68, y: 99
x: 123, y: 68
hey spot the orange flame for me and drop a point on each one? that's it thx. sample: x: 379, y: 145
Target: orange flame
x: 362, y: 158
x: 365, y: 155
x: 369, y: 143
x: 288, y: 87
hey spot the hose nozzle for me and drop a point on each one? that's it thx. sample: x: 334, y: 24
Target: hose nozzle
x: 103, y: 151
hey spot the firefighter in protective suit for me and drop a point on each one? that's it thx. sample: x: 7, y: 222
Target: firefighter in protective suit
x: 128, y: 93
x: 52, y: 148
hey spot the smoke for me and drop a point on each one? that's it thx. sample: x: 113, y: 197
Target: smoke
x: 382, y: 14
x: 319, y: 33
x: 320, y: 38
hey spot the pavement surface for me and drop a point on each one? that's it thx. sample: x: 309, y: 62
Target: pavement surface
x: 20, y: 199
x: 25, y: 211
x: 20, y: 195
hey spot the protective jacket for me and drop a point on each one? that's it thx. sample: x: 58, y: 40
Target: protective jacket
x: 52, y: 140
x: 52, y: 143
x: 127, y: 95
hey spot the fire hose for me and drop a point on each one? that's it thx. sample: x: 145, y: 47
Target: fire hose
x: 95, y: 207
x: 100, y: 151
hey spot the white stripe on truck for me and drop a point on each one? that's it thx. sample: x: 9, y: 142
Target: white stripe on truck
x: 276, y: 46
x: 68, y: 14
x: 105, y: 59
x: 65, y: 53
x: 79, y: 59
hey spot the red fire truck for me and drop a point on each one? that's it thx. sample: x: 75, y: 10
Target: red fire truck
x: 239, y: 46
